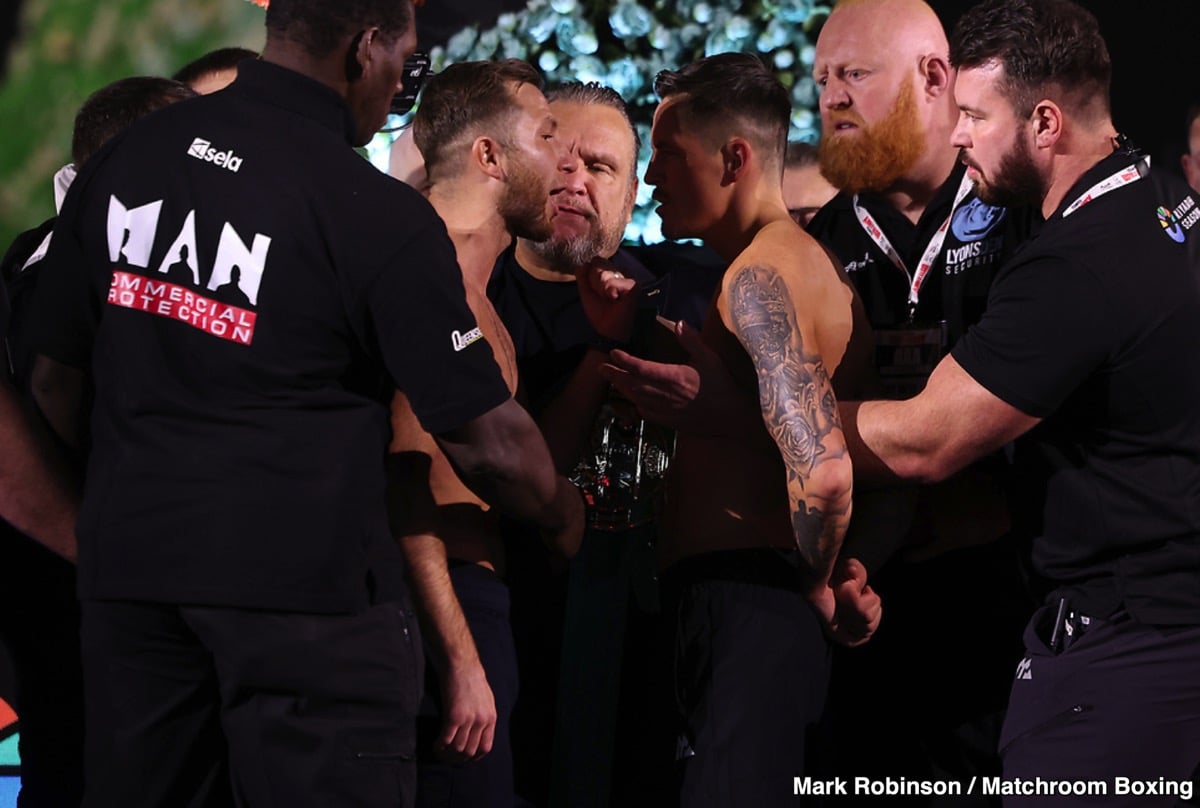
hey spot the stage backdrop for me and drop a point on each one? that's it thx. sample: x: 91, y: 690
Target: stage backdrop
x: 625, y: 43
x: 65, y: 49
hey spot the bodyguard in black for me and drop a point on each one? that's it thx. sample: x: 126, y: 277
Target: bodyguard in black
x: 1079, y: 355
x: 977, y: 241
x: 922, y: 250
x: 238, y: 281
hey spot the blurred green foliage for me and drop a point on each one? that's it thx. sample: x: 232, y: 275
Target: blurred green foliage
x: 68, y: 48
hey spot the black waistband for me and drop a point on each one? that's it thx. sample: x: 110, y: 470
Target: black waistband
x: 764, y: 566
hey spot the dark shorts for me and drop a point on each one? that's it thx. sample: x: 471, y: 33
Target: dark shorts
x: 201, y: 706
x: 751, y: 668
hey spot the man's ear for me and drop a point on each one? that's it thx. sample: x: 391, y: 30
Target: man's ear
x: 487, y: 154
x: 358, y: 54
x: 736, y: 156
x: 1047, y: 122
x: 936, y: 74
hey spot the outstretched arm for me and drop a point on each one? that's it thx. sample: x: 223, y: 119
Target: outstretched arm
x: 948, y: 425
x: 609, y: 300
x: 699, y: 397
x: 502, y: 457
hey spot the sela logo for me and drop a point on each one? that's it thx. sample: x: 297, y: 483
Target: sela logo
x: 461, y: 340
x: 203, y: 149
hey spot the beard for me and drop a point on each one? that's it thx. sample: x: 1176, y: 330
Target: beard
x: 567, y: 253
x: 879, y: 154
x: 524, y: 203
x: 1016, y: 181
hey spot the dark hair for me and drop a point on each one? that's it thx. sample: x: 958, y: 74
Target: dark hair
x: 464, y: 98
x: 800, y: 154
x: 575, y: 92
x: 320, y: 25
x: 1043, y: 45
x: 733, y: 88
x: 115, y: 106
x: 212, y: 62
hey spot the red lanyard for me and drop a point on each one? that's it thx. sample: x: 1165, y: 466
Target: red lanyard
x: 915, y: 279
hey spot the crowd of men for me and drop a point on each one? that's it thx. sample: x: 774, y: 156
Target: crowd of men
x: 430, y: 492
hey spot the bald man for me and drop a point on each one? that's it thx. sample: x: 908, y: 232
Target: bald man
x: 922, y: 250
x: 1077, y: 362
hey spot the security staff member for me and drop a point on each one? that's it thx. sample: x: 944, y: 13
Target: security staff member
x: 238, y: 280
x: 1083, y: 355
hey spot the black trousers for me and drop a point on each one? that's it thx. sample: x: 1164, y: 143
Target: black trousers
x: 1112, y: 707
x: 488, y: 781
x: 751, y: 671
x: 192, y: 706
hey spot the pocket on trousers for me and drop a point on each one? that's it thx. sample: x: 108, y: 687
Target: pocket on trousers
x: 379, y: 744
x: 1017, y: 728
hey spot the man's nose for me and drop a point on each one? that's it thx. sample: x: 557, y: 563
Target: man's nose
x: 651, y: 176
x: 571, y: 172
x: 834, y: 95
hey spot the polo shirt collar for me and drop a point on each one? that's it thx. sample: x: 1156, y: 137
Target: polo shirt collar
x: 297, y: 93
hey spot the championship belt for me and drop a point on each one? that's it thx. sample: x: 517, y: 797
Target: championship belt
x: 622, y: 474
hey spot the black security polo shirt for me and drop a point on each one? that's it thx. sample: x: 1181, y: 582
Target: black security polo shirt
x: 1094, y: 327
x: 238, y: 279
x: 978, y: 241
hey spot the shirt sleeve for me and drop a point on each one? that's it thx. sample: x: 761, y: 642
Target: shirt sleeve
x: 66, y: 301
x: 1047, y: 326
x: 428, y: 336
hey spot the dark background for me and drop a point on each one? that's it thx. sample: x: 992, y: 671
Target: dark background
x: 1155, y: 50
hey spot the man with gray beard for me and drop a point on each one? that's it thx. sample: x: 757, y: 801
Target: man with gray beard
x: 562, y: 329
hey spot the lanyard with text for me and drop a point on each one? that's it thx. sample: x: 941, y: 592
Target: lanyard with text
x: 915, y: 279
x: 1130, y: 173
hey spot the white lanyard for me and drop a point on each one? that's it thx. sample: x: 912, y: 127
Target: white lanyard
x: 915, y: 279
x: 1130, y: 173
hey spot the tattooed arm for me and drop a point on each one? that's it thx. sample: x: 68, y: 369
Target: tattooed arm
x: 800, y: 412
